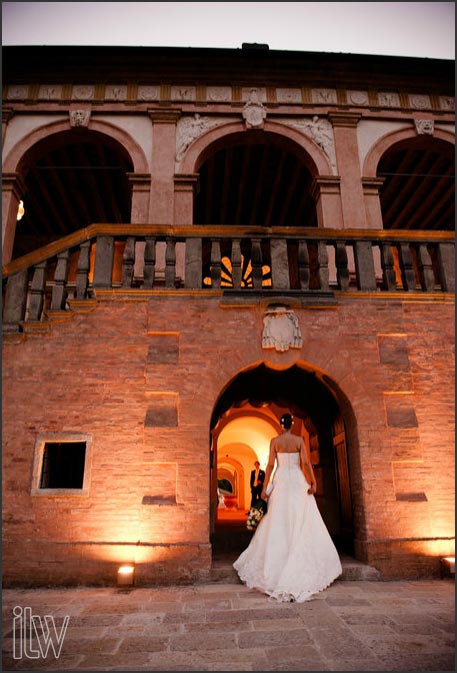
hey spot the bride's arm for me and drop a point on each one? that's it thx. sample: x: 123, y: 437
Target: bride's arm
x: 308, y: 468
x: 269, y: 470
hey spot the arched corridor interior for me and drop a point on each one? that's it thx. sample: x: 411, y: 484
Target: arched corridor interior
x: 245, y: 420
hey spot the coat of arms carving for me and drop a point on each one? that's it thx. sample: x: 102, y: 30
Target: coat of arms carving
x: 281, y: 329
x: 254, y: 111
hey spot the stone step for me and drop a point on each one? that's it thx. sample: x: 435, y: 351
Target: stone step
x: 353, y: 571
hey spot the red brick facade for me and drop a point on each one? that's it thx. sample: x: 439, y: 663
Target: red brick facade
x: 137, y: 372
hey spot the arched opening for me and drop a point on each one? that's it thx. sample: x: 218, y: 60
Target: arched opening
x: 255, y: 178
x: 419, y: 185
x: 246, y: 417
x: 72, y: 179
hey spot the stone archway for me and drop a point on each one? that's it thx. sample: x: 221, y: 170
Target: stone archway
x: 49, y: 193
x: 277, y: 176
x: 323, y: 417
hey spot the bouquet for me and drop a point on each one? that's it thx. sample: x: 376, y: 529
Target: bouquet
x: 256, y: 513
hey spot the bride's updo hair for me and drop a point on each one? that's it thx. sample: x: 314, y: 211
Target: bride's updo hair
x: 286, y: 421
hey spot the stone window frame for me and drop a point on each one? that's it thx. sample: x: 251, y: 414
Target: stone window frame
x: 60, y: 437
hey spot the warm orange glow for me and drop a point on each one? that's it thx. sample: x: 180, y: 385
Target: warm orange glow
x: 126, y: 570
x: 125, y: 575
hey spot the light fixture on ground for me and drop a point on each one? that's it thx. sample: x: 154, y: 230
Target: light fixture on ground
x: 125, y: 575
x: 448, y: 564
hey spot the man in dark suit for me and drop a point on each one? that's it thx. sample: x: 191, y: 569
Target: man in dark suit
x: 257, y: 479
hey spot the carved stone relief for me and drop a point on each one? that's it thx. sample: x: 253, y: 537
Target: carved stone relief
x: 447, y: 103
x: 320, y: 131
x: 50, y: 92
x: 190, y: 128
x: 259, y: 93
x: 424, y: 126
x: 419, y: 101
x: 83, y: 92
x: 254, y: 111
x: 327, y: 96
x: 183, y: 93
x: 79, y: 118
x: 148, y: 92
x: 219, y: 94
x: 17, y: 92
x: 281, y: 329
x: 288, y: 95
x: 389, y: 99
x: 357, y: 97
x: 115, y: 92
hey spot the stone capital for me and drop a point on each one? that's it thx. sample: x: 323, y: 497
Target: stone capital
x: 7, y: 113
x: 348, y: 119
x: 372, y: 184
x: 164, y: 115
x: 325, y: 184
x: 139, y: 181
x: 186, y: 182
x: 14, y: 182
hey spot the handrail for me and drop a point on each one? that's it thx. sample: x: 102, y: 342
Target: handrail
x: 219, y: 231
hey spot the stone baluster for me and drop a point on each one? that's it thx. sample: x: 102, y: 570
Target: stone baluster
x: 236, y: 263
x: 303, y: 264
x: 256, y: 261
x: 215, y: 263
x: 104, y: 258
x: 15, y: 301
x: 59, y: 291
x: 37, y: 291
x: 128, y: 262
x: 149, y: 271
x: 82, y: 274
x: 408, y: 276
x: 193, y: 272
x: 279, y: 264
x: 170, y: 263
x: 389, y: 277
x: 426, y: 274
x: 341, y: 261
x: 446, y: 265
x: 322, y: 266
x: 364, y: 266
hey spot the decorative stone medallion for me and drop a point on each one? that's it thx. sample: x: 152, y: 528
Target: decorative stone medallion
x: 281, y: 329
x: 79, y: 118
x: 254, y: 111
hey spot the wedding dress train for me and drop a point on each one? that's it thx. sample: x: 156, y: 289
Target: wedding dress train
x: 291, y: 555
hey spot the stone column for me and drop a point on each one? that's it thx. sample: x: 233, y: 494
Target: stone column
x: 371, y: 188
x: 347, y: 156
x: 326, y: 192
x: 186, y: 187
x: 161, y: 210
x: 13, y: 189
x: 141, y: 188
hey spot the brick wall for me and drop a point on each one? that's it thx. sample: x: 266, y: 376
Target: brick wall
x: 142, y: 378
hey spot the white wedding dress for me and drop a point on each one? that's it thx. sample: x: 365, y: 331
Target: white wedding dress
x: 291, y: 555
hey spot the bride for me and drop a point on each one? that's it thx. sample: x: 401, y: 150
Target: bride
x: 291, y: 555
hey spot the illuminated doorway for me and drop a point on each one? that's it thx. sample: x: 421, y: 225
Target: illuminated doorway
x: 246, y: 417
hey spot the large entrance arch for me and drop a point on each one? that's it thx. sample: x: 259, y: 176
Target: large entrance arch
x: 246, y: 417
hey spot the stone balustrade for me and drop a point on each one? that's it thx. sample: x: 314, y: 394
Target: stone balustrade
x: 104, y: 261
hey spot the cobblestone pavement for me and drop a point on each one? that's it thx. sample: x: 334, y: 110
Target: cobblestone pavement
x: 351, y: 626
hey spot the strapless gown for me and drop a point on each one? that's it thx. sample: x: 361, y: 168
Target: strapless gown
x: 291, y: 555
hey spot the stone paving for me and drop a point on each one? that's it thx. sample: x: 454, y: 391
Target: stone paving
x: 351, y: 626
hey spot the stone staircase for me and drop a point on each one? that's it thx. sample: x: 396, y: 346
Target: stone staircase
x: 229, y: 541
